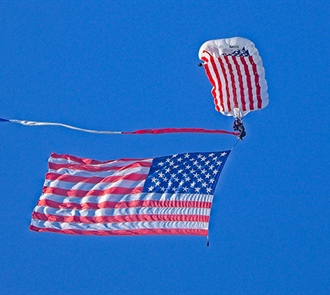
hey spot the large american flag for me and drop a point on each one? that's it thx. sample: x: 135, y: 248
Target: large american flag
x: 165, y: 195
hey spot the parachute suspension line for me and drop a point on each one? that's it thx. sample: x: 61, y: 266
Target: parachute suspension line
x: 143, y: 131
x: 238, y: 114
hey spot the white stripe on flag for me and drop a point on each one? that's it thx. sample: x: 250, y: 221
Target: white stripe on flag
x: 83, y: 186
x: 123, y: 211
x: 129, y: 198
x: 120, y: 225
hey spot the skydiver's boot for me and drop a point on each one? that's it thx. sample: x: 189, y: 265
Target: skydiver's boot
x: 242, y: 134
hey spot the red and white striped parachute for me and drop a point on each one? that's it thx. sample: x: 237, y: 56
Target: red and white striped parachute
x: 235, y: 70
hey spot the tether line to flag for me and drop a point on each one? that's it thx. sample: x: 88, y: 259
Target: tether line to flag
x: 137, y: 132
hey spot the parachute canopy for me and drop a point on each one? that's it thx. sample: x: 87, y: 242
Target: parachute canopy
x: 235, y: 70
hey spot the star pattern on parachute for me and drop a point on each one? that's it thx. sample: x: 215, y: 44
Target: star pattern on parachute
x: 185, y: 173
x: 239, y: 52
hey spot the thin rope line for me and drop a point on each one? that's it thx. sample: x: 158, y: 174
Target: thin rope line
x: 144, y: 131
x: 235, y: 144
x: 34, y: 123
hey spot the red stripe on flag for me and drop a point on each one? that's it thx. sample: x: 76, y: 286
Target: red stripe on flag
x: 232, y: 79
x: 213, y: 91
x: 125, y: 204
x: 218, y: 102
x: 229, y: 104
x: 256, y: 80
x: 81, y: 193
x: 248, y: 81
x: 91, y: 161
x: 120, y: 218
x: 204, y: 57
x: 89, y: 168
x: 154, y: 231
x: 217, y: 90
x: 240, y: 83
x: 94, y: 179
x: 78, y: 160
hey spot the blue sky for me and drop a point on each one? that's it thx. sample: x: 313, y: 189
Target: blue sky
x: 126, y: 65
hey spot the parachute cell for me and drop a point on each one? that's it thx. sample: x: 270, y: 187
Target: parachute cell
x: 234, y: 68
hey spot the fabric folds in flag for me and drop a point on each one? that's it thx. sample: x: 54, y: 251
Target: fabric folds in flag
x: 170, y: 195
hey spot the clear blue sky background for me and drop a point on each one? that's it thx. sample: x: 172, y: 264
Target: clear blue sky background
x: 126, y: 65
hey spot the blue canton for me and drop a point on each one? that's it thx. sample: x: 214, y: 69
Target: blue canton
x: 239, y: 52
x: 186, y: 173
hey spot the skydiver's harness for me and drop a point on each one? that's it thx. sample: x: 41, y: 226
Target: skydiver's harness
x: 238, y: 126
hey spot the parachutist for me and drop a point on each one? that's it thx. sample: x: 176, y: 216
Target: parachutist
x: 200, y: 64
x: 238, y: 126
